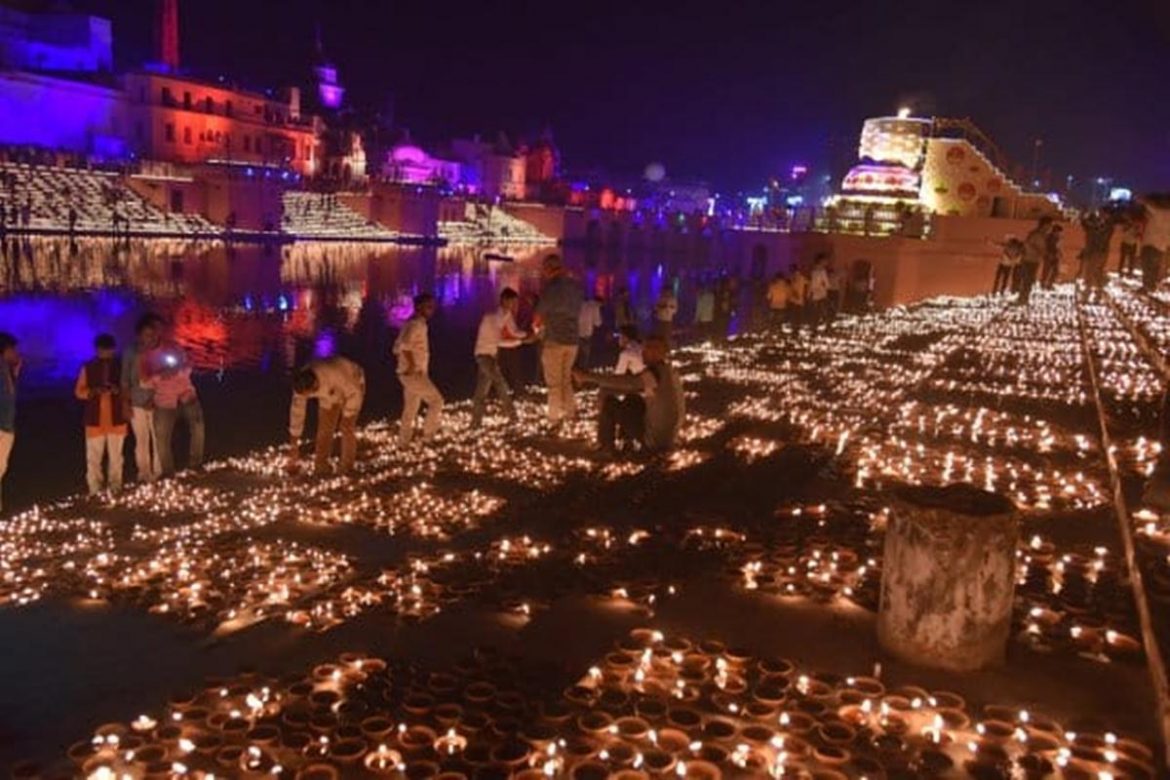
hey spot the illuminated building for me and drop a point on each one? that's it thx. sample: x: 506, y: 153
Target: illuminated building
x: 542, y: 167
x: 495, y: 170
x: 39, y: 109
x: 330, y: 92
x: 55, y: 42
x: 409, y: 164
x: 184, y: 120
x: 946, y: 166
x: 55, y: 87
x: 56, y: 92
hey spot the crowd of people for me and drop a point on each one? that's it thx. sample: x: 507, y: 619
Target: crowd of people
x: 147, y: 390
x: 809, y: 297
x: 1037, y: 258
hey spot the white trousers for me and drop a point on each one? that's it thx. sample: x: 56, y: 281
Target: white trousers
x: 145, y: 448
x: 416, y: 390
x: 96, y: 449
x: 6, y: 441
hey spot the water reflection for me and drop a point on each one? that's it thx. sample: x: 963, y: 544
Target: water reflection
x: 264, y: 308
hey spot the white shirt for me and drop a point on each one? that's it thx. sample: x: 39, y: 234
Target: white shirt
x: 630, y: 360
x: 818, y: 284
x: 413, y: 339
x: 340, y: 382
x: 588, y: 319
x: 497, y: 329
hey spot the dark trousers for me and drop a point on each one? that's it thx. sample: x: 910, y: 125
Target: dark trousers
x: 511, y: 363
x: 585, y: 353
x: 1152, y: 262
x: 1003, y: 279
x: 1050, y: 272
x: 795, y: 315
x: 1028, y: 273
x: 489, y: 377
x: 164, y: 428
x: 1129, y: 258
x: 623, y: 416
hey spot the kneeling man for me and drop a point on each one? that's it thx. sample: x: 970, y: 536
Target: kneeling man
x: 647, y: 407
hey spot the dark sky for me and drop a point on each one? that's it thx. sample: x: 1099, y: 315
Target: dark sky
x: 728, y: 91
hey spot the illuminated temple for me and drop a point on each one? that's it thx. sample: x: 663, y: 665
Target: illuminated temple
x: 945, y: 166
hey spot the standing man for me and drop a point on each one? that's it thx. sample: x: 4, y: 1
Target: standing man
x: 1098, y: 232
x: 558, y: 313
x: 818, y: 292
x: 413, y: 350
x: 1155, y: 240
x: 778, y: 293
x: 1052, y: 257
x: 588, y: 321
x: 1035, y: 250
x: 9, y: 374
x: 496, y: 328
x: 339, y: 385
x: 1011, y: 250
x: 665, y: 309
x: 168, y: 373
x: 798, y: 286
x: 704, y: 311
x: 138, y: 399
x: 99, y: 387
x: 1131, y: 237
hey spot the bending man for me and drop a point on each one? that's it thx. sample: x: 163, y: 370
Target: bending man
x: 339, y: 385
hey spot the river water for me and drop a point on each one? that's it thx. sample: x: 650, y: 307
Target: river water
x: 248, y: 313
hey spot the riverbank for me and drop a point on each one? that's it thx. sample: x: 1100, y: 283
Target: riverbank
x: 763, y: 531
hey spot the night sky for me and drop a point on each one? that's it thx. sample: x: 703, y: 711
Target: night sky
x: 731, y: 92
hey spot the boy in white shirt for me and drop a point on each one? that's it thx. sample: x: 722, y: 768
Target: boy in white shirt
x: 412, y: 348
x: 630, y: 358
x: 495, y: 327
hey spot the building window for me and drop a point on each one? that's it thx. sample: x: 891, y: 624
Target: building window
x: 186, y: 135
x: 210, y: 106
x: 187, y: 100
x: 227, y: 108
x: 168, y: 99
x: 170, y: 133
x: 247, y: 143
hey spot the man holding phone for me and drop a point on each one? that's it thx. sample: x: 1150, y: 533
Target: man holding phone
x: 168, y: 373
x: 99, y: 388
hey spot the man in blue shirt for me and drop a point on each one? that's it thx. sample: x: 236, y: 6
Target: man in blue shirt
x: 9, y: 372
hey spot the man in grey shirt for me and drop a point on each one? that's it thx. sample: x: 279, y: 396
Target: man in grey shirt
x: 557, y: 317
x: 652, y: 408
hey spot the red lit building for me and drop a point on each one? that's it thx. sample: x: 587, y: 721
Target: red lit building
x: 184, y: 120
